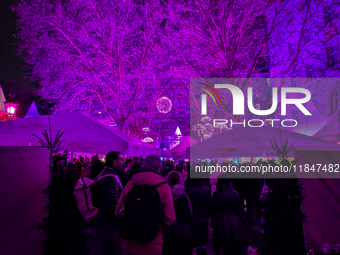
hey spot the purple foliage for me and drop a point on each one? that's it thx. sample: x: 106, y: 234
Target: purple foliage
x: 112, y: 60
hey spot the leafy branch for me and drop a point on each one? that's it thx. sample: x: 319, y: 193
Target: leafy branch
x: 283, y: 151
x: 56, y: 144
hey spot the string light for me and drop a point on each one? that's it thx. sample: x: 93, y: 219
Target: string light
x: 148, y: 140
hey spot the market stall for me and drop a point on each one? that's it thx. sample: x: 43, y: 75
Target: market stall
x: 24, y: 175
x: 310, y: 124
x: 321, y: 203
x: 81, y: 134
x: 255, y: 142
x: 179, y: 152
x: 330, y: 131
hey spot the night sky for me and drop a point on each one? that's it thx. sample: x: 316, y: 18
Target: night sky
x: 13, y: 70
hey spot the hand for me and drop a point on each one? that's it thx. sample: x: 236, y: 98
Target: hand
x: 250, y: 250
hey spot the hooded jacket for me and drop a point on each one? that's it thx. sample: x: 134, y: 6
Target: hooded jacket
x: 178, y: 240
x: 228, y: 218
x: 106, y: 193
x: 177, y: 190
x: 200, y: 198
x: 181, y: 201
x: 165, y: 193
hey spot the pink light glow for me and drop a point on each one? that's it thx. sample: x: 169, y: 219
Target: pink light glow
x: 10, y: 110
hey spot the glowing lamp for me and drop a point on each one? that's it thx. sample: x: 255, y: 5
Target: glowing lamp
x: 10, y: 110
x: 11, y: 106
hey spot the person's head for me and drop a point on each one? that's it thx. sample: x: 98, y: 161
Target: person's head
x: 94, y: 158
x: 135, y: 160
x: 77, y: 164
x: 114, y: 159
x: 127, y: 161
x: 223, y: 179
x: 173, y: 178
x: 70, y: 166
x: 81, y: 159
x: 152, y: 162
x: 195, y: 182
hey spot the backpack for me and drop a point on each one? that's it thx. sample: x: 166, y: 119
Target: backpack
x: 142, y: 214
x: 82, y: 193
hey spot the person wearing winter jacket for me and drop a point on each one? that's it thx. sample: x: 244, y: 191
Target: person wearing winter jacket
x: 200, y: 198
x: 105, y: 195
x: 228, y: 219
x: 149, y: 175
x: 134, y: 169
x: 178, y: 240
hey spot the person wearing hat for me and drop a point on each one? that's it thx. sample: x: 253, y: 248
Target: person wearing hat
x: 105, y: 195
x: 96, y: 167
x: 149, y: 175
x: 79, y: 168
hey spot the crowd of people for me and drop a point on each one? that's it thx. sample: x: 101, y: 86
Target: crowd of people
x: 187, y: 207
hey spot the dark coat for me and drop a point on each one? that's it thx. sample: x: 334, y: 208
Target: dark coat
x: 123, y: 178
x: 96, y: 169
x: 178, y: 240
x: 228, y: 218
x: 133, y: 170
x: 247, y: 187
x: 105, y: 195
x: 200, y: 199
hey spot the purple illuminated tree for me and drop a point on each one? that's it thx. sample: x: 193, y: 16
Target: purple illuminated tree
x: 300, y: 47
x: 296, y: 47
x: 234, y: 39
x: 108, y: 60
x: 225, y: 39
x: 112, y: 60
x: 222, y: 38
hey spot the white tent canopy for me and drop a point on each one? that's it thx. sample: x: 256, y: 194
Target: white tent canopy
x: 309, y: 125
x: 155, y: 150
x: 135, y: 147
x: 331, y: 131
x: 179, y: 152
x: 183, y: 145
x: 255, y: 142
x: 138, y: 147
x: 81, y: 134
